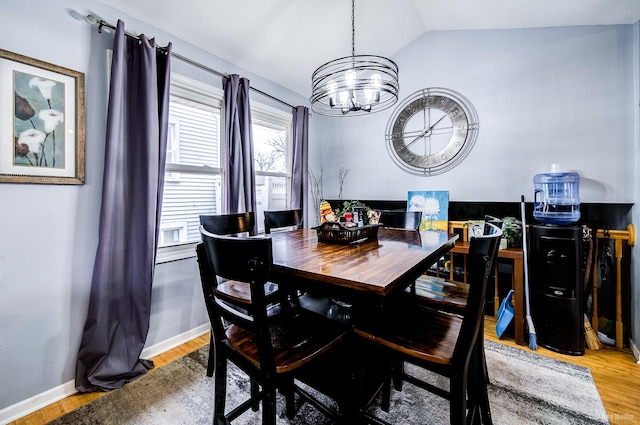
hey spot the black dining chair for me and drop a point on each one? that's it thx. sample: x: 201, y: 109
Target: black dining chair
x: 284, y: 219
x: 270, y: 348
x: 409, y: 220
x: 440, y: 341
x: 452, y: 296
x: 233, y: 292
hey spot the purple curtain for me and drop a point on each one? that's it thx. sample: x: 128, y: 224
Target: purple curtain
x: 119, y: 307
x: 300, y: 166
x: 240, y: 192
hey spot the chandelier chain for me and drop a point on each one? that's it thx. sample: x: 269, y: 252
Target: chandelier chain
x: 353, y: 27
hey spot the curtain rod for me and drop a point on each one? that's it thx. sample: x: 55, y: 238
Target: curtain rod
x: 92, y: 19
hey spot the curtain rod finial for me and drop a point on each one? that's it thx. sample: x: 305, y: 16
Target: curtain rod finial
x: 92, y: 19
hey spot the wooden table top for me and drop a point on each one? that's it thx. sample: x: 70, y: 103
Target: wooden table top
x: 378, y: 266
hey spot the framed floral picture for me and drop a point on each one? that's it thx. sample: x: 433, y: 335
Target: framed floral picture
x: 434, y: 205
x: 41, y: 122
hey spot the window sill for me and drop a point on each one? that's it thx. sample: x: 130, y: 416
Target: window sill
x: 174, y: 253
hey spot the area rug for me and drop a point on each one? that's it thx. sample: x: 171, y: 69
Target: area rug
x: 526, y: 388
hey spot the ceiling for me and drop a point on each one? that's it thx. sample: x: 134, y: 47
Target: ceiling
x: 286, y: 40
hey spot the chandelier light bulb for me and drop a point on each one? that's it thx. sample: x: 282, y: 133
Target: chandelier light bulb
x: 350, y: 76
x: 369, y: 95
x: 376, y: 81
x: 344, y: 97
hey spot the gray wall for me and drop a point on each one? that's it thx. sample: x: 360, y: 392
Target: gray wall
x: 542, y: 96
x: 48, y: 233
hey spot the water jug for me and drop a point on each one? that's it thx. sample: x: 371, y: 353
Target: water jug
x: 556, y: 197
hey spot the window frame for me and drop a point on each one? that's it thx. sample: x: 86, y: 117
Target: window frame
x: 207, y: 94
x: 279, y: 120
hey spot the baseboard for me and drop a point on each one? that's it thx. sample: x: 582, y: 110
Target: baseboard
x: 173, y: 342
x: 39, y: 401
x: 635, y: 350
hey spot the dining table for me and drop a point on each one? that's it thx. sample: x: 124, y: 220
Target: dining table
x: 373, y: 268
x: 362, y: 276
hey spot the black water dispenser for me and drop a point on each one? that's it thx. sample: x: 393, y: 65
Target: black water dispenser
x: 556, y: 287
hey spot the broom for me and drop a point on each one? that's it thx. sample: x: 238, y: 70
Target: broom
x: 590, y: 336
x: 593, y: 343
x: 533, y: 341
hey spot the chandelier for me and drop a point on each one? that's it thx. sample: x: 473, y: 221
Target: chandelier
x: 354, y: 85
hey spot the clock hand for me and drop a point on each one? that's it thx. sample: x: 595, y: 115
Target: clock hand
x: 426, y: 130
x: 437, y: 122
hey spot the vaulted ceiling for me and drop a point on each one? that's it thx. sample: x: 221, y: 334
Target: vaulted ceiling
x: 286, y: 40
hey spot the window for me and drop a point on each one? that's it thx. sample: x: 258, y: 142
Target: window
x: 272, y: 156
x: 173, y: 146
x: 193, y: 179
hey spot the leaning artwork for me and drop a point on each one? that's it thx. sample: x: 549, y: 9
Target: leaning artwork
x: 434, y: 206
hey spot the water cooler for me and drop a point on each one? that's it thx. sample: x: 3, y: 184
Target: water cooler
x: 556, y: 264
x: 555, y: 279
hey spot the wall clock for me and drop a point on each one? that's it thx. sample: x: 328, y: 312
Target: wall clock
x: 431, y: 131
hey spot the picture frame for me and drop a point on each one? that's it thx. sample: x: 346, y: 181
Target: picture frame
x: 42, y: 122
x: 434, y: 205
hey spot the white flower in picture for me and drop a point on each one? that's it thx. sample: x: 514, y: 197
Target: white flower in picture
x: 51, y: 119
x: 431, y: 207
x: 417, y: 203
x: 45, y: 86
x: 33, y: 139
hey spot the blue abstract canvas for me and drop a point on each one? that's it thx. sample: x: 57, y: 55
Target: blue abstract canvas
x: 434, y: 205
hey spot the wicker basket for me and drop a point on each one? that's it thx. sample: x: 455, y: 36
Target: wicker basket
x: 334, y: 232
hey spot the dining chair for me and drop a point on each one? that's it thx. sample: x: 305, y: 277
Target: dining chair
x: 270, y: 348
x: 452, y: 296
x: 233, y: 292
x: 441, y: 341
x: 409, y: 220
x: 289, y: 219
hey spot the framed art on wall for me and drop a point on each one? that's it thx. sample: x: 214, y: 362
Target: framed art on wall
x: 41, y: 122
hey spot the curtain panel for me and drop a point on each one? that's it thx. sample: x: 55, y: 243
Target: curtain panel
x: 240, y: 192
x: 300, y: 161
x: 117, y: 321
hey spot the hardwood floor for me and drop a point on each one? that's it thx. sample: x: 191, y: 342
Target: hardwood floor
x: 55, y: 410
x: 615, y: 373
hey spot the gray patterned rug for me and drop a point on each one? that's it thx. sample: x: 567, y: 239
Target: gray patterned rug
x: 526, y: 388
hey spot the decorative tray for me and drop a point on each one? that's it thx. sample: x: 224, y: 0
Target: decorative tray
x: 334, y: 232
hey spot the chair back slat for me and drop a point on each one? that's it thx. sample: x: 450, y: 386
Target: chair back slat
x: 493, y: 220
x: 229, y: 224
x: 409, y: 220
x: 285, y: 218
x: 242, y: 259
x: 491, y: 226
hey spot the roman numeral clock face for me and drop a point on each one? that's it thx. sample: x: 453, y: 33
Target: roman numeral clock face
x: 431, y: 131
